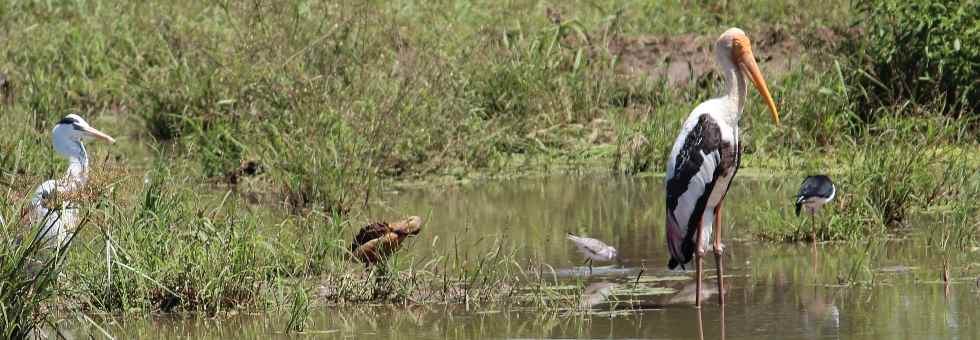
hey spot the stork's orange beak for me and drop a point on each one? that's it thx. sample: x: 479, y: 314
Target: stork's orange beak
x: 747, y: 61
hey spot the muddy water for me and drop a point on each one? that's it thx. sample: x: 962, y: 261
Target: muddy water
x: 779, y: 291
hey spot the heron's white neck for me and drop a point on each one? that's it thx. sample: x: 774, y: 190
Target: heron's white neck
x: 74, y: 151
x: 735, y: 87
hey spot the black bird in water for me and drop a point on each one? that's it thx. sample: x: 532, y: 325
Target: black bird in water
x: 815, y: 192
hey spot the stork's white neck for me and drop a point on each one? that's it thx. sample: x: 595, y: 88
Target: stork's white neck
x: 735, y: 87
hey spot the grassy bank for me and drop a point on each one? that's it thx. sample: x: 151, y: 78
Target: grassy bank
x: 304, y: 109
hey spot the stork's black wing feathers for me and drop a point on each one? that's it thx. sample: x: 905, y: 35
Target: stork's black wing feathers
x: 704, y: 148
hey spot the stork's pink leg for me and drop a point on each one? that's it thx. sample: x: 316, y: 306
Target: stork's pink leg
x: 718, y: 257
x: 699, y: 256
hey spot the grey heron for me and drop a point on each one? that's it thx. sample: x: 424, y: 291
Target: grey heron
x: 58, y: 222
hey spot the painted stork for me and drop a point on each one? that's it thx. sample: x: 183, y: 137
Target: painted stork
x: 815, y: 191
x: 59, y: 222
x: 592, y: 249
x: 706, y: 156
x: 376, y: 241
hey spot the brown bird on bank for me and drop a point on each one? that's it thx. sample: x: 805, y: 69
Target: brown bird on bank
x: 376, y: 241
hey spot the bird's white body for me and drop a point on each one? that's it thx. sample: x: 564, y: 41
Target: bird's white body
x: 813, y: 204
x: 57, y: 223
x: 593, y: 249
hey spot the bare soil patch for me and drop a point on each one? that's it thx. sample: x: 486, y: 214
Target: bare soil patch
x: 688, y: 57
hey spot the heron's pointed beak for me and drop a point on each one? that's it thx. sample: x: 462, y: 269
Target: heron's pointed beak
x: 98, y: 134
x: 747, y: 61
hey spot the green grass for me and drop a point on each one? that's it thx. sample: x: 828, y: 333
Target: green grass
x: 29, y: 281
x: 919, y: 52
x: 883, y: 190
x: 166, y: 252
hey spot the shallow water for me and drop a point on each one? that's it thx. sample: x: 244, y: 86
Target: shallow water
x: 783, y: 291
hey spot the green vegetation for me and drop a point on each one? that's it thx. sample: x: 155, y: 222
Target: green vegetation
x: 882, y: 191
x: 923, y: 52
x: 251, y: 133
x: 29, y: 273
x: 895, y: 119
x: 167, y: 252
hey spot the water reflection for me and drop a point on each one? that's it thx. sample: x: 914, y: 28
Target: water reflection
x: 687, y: 294
x: 595, y: 294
